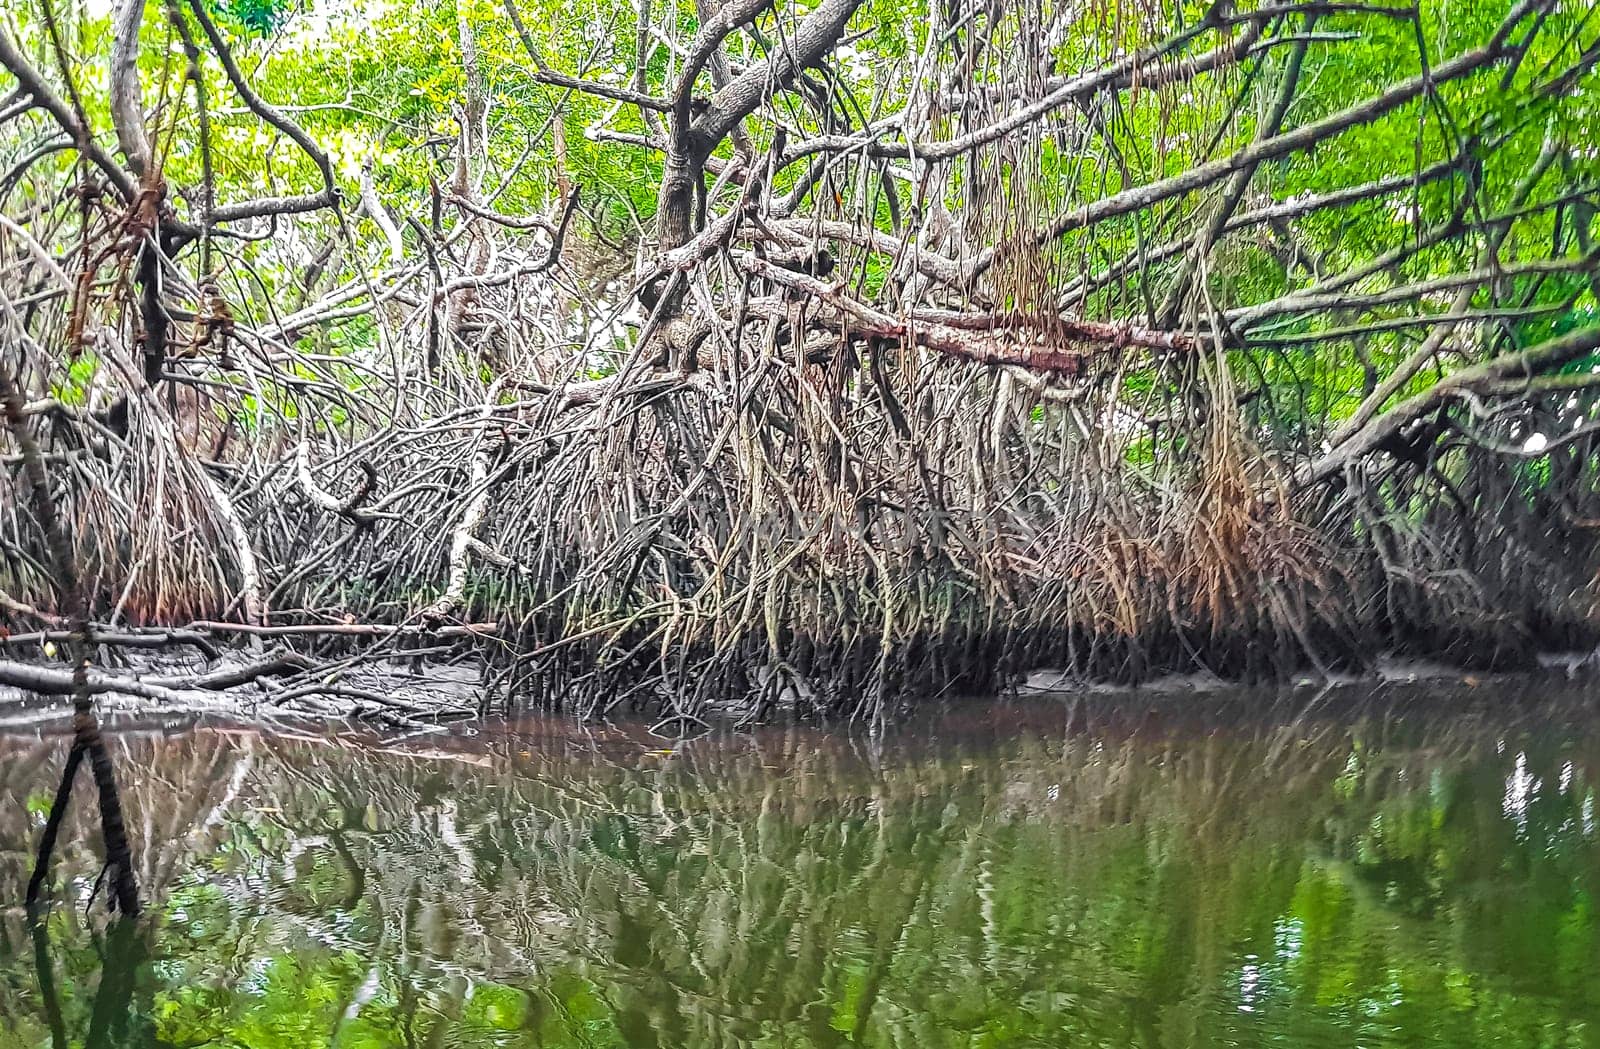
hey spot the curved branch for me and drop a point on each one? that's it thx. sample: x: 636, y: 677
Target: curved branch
x: 39, y: 90
x: 347, y: 508
x: 127, y: 114
x: 1497, y: 373
x: 265, y: 110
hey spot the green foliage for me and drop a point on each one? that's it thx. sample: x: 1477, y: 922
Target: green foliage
x: 79, y: 374
x: 381, y: 85
x: 260, y: 18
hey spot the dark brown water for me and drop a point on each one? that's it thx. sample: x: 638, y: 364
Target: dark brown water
x: 1398, y: 869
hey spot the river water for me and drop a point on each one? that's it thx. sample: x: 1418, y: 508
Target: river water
x: 1413, y: 867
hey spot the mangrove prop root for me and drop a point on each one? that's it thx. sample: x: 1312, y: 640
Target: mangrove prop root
x: 808, y: 442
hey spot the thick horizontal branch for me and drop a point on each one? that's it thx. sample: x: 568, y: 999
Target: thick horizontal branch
x: 162, y: 687
x: 590, y: 87
x: 1107, y: 335
x: 264, y: 207
x: 1011, y: 339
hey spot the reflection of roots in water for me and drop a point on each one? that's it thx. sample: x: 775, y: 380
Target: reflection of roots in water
x: 732, y: 884
x: 516, y: 847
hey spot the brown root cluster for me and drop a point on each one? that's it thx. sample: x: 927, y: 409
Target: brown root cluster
x: 904, y: 406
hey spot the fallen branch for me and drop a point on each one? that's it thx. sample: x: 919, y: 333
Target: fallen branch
x: 163, y: 687
x: 119, y: 639
x: 349, y: 630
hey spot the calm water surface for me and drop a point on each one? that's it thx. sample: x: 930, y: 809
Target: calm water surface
x: 1402, y: 869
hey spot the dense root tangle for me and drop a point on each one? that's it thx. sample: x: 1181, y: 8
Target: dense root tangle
x: 1044, y: 335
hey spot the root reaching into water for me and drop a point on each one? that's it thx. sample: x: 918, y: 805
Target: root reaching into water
x: 914, y: 405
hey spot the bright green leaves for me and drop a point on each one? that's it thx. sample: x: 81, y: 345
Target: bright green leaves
x: 260, y: 18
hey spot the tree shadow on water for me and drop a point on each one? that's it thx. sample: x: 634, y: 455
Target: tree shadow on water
x: 114, y: 1020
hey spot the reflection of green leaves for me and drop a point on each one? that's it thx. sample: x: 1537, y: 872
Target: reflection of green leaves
x: 1048, y: 894
x: 497, y: 1008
